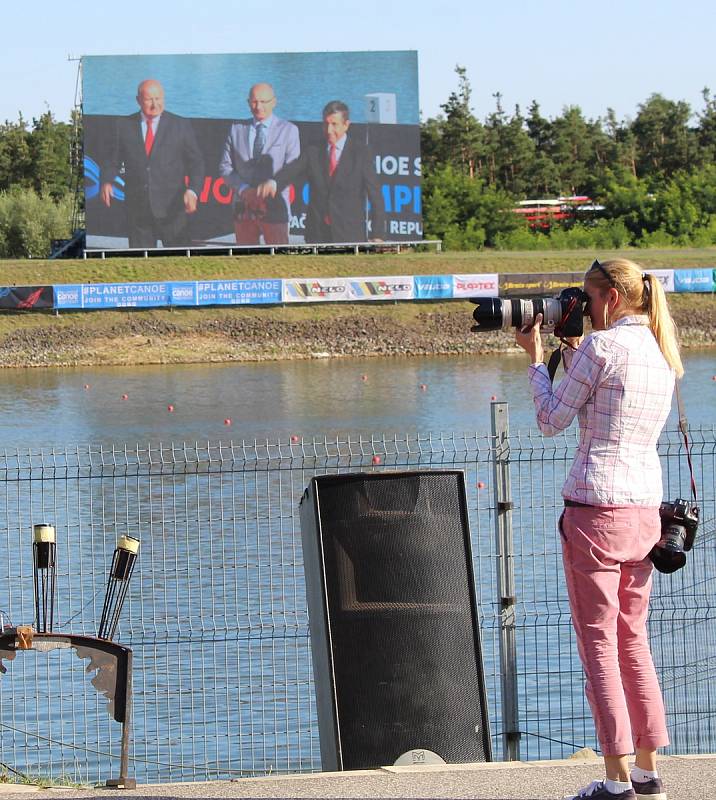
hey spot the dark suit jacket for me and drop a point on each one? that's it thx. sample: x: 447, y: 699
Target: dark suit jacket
x: 340, y: 197
x: 155, y: 184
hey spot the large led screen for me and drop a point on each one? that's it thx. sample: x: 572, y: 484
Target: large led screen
x: 253, y: 149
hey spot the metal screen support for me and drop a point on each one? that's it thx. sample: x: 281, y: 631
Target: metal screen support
x: 111, y: 663
x: 505, y: 579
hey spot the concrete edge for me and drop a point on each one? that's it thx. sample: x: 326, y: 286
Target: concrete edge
x: 487, y: 766
x: 427, y: 768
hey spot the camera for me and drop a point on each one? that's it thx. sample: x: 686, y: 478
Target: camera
x: 561, y: 315
x: 679, y: 522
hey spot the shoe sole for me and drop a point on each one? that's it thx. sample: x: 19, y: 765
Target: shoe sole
x: 659, y: 796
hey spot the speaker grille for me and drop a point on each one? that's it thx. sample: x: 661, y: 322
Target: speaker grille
x: 403, y: 637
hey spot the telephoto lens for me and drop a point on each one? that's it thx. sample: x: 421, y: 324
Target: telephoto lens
x: 495, y: 313
x: 562, y: 315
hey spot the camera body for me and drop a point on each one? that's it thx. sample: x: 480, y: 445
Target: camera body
x: 679, y: 522
x: 562, y: 315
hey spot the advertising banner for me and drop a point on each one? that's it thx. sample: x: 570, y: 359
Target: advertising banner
x: 68, y: 295
x: 486, y: 285
x: 393, y: 287
x: 314, y: 290
x: 180, y: 150
x: 26, y: 297
x: 428, y: 287
x: 666, y: 278
x: 538, y: 284
x: 182, y: 293
x: 239, y: 292
x: 694, y: 280
x: 113, y: 295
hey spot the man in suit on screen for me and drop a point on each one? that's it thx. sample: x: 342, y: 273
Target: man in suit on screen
x: 341, y: 175
x: 254, y: 152
x: 163, y: 171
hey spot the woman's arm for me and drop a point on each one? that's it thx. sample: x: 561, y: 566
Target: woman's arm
x: 556, y: 408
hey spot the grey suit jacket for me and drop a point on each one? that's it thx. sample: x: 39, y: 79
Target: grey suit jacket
x: 237, y: 165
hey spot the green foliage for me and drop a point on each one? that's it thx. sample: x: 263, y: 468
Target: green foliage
x: 464, y: 212
x: 654, y: 175
x: 604, y: 234
x: 37, y: 157
x: 29, y: 221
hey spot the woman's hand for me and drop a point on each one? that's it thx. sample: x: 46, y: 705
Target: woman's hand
x: 530, y: 341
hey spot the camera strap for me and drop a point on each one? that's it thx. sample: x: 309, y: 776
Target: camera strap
x: 556, y: 357
x: 684, y: 428
x: 553, y: 363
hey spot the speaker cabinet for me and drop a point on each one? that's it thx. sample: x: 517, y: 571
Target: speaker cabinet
x: 394, y: 634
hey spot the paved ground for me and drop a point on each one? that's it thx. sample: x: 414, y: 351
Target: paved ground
x: 686, y: 778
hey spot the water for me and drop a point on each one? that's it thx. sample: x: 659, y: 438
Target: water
x: 216, y: 86
x: 277, y: 400
x: 216, y: 615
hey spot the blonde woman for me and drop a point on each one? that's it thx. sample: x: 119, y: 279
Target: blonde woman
x: 618, y: 382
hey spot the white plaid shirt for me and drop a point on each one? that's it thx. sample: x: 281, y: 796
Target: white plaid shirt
x: 619, y: 386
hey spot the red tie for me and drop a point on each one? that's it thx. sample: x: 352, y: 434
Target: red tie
x: 149, y: 138
x: 332, y: 161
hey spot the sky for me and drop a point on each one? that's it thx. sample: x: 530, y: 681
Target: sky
x: 596, y: 55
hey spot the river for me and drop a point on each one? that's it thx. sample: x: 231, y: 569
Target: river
x: 216, y: 614
x: 276, y: 400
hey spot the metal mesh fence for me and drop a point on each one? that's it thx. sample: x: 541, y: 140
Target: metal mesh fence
x: 216, y: 611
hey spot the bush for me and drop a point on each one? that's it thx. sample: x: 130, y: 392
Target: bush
x: 29, y: 221
x: 706, y: 236
x: 657, y: 238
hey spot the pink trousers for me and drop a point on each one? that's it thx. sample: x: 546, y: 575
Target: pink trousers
x: 609, y: 582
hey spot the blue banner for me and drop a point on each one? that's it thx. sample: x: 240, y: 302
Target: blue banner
x: 67, y: 296
x: 235, y: 293
x: 182, y: 293
x: 112, y: 295
x: 694, y: 280
x: 125, y: 295
x: 432, y: 286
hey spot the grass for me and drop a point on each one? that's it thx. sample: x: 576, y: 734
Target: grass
x: 181, y: 335
x: 42, y: 781
x: 110, y: 270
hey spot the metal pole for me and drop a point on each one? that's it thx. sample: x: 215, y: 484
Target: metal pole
x: 505, y: 580
x: 128, y: 783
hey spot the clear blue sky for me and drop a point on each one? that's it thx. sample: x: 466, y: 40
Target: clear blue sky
x: 559, y: 52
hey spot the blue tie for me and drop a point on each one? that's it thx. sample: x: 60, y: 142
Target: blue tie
x: 260, y: 140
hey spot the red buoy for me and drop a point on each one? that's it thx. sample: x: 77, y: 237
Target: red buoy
x: 494, y: 397
x: 376, y: 459
x: 87, y: 386
x: 125, y: 397
x: 227, y: 421
x: 423, y: 386
x: 170, y: 408
x: 294, y: 439
x: 364, y: 377
x: 481, y: 484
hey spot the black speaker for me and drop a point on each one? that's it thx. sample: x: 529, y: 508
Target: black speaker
x: 396, y: 650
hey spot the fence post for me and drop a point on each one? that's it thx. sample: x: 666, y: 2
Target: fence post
x: 505, y: 579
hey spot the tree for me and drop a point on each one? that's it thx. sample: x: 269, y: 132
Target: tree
x: 50, y: 145
x: 15, y: 155
x: 463, y: 211
x: 706, y: 131
x: 461, y: 132
x: 663, y: 139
